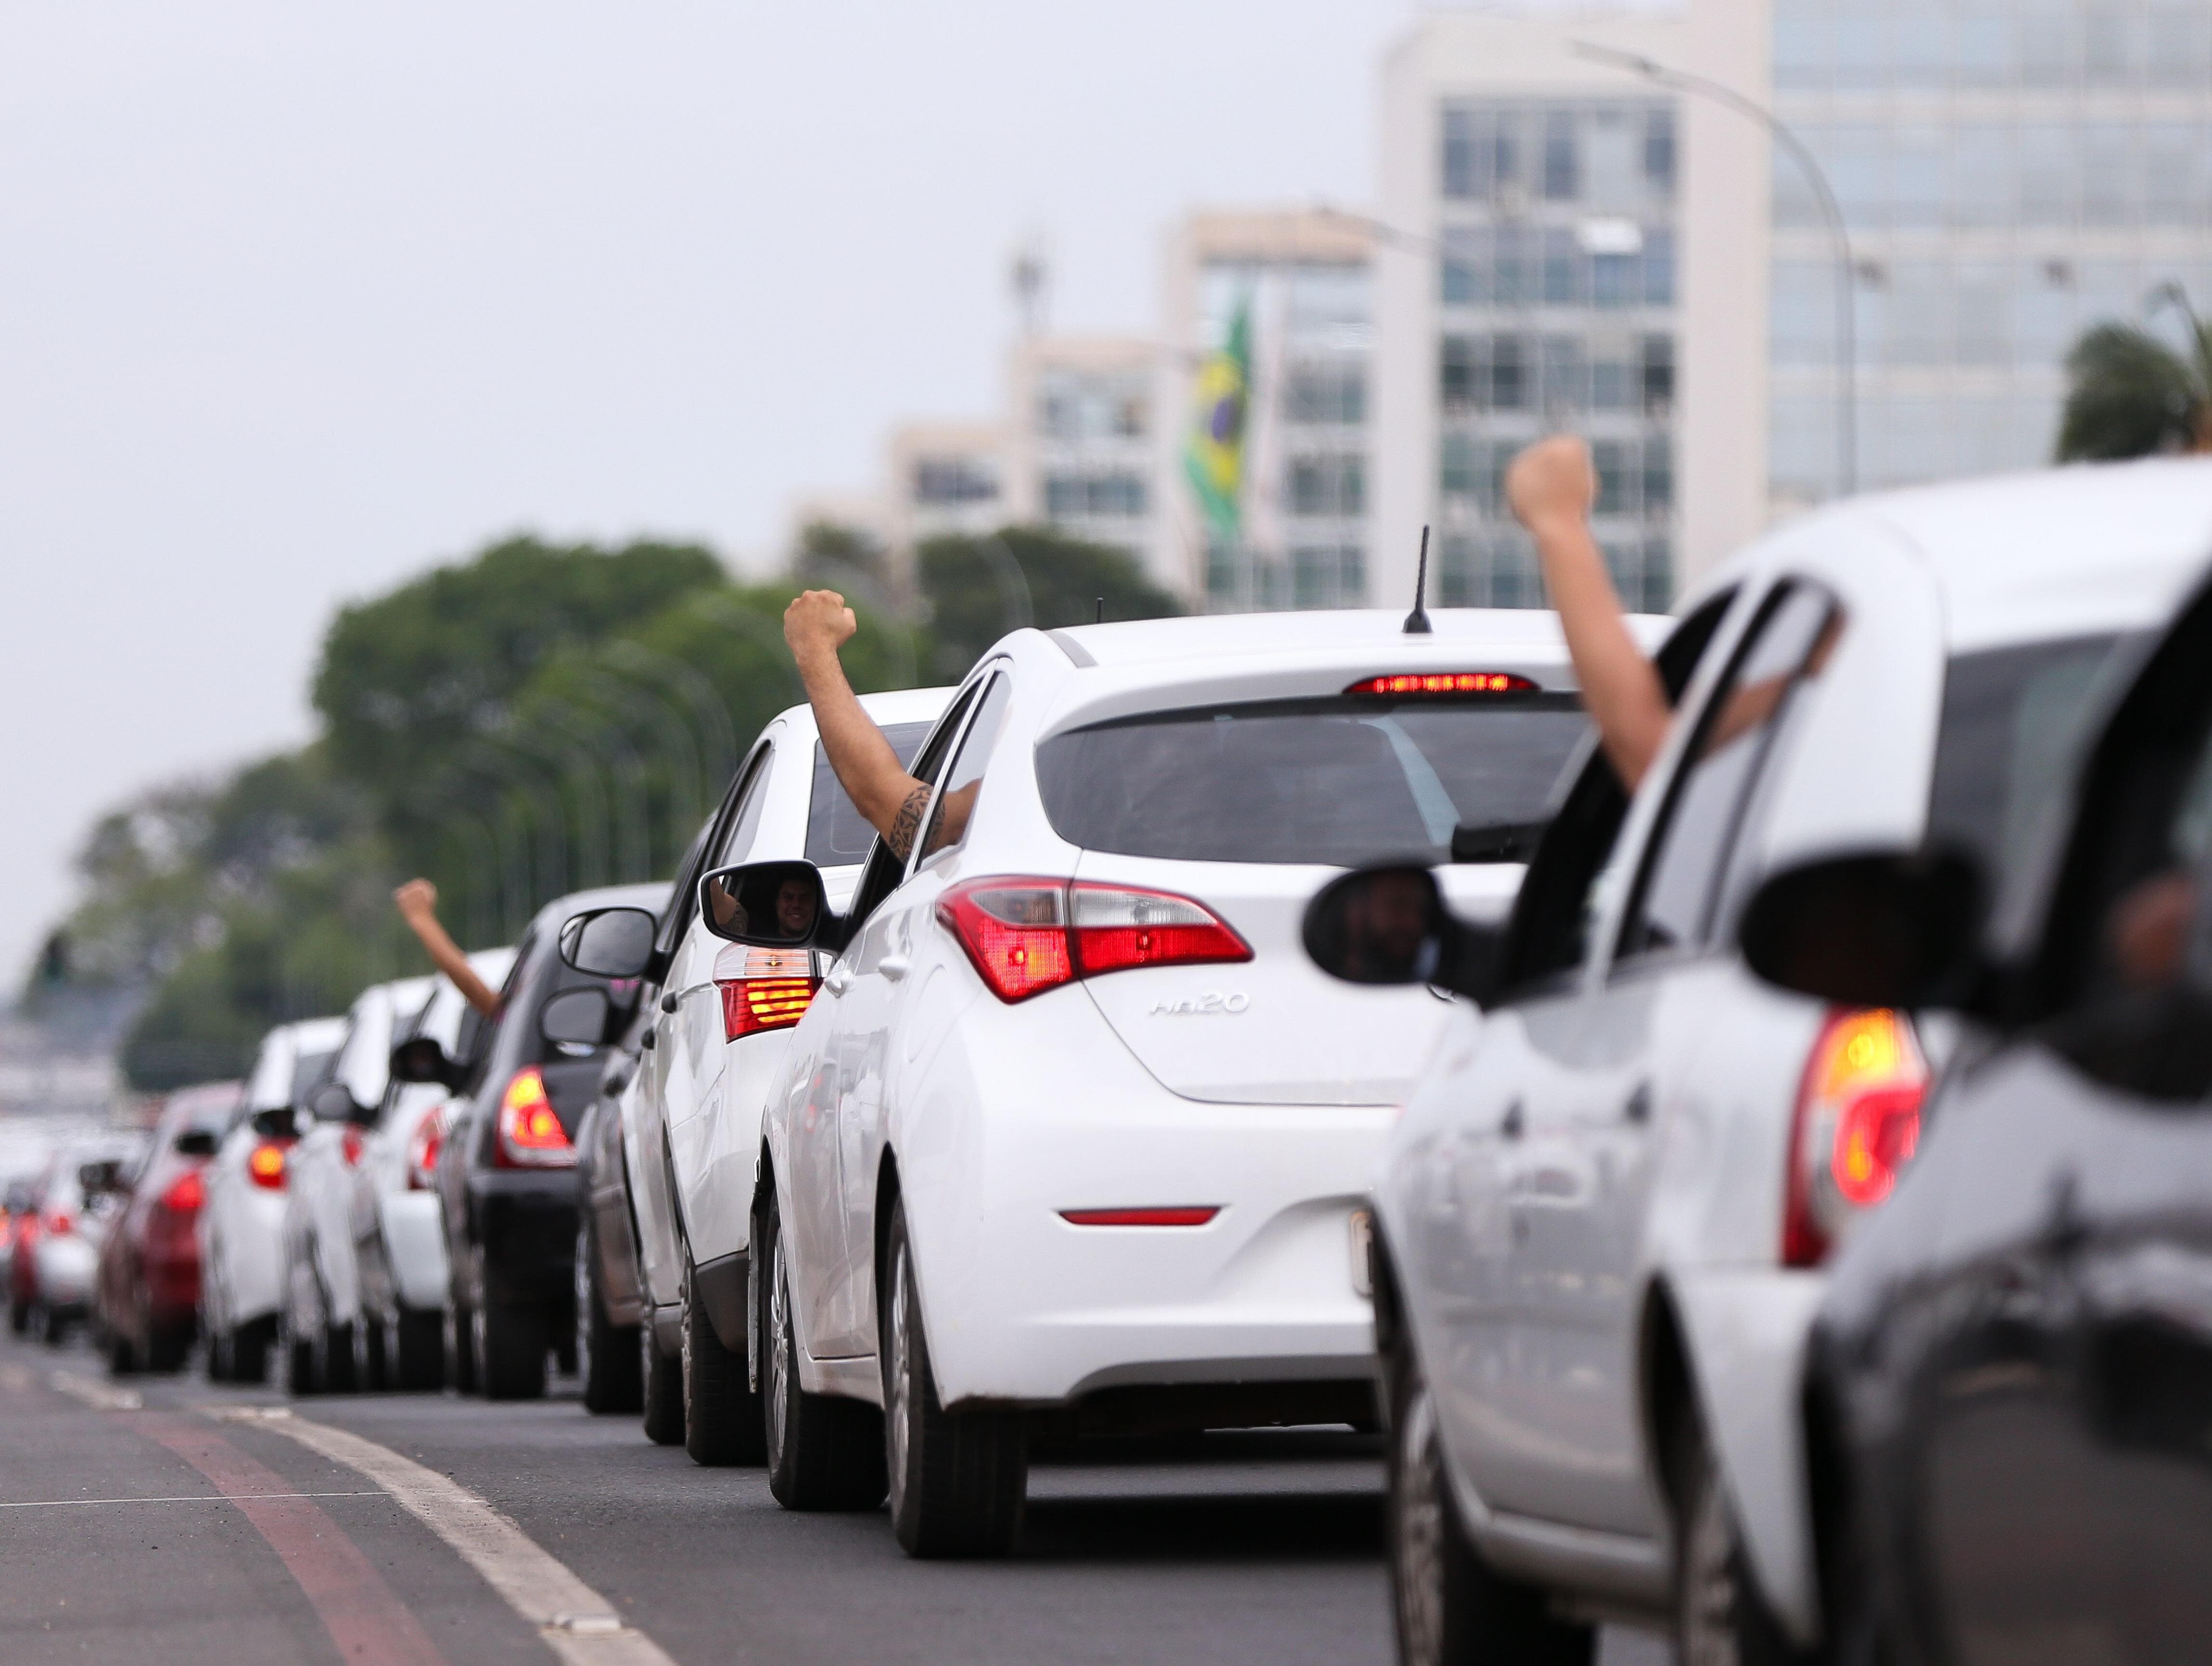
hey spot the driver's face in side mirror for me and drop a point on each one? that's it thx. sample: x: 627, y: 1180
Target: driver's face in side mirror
x: 1380, y: 926
x: 772, y: 904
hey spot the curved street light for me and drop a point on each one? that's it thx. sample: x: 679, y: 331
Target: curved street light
x: 680, y: 750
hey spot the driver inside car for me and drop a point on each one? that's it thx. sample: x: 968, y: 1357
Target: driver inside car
x: 793, y: 905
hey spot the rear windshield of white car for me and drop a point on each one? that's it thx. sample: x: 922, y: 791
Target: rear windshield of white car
x: 835, y: 835
x: 1340, y: 781
x: 2010, y: 719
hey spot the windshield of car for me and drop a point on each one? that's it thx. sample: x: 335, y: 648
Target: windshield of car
x: 837, y: 836
x: 2010, y: 719
x: 1339, y: 780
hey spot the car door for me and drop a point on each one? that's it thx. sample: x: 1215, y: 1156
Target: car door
x: 836, y: 1081
x: 1473, y: 1164
x: 1624, y: 1052
x: 2062, y: 1412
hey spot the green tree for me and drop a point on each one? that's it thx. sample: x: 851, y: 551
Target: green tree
x: 2130, y: 394
x: 977, y: 589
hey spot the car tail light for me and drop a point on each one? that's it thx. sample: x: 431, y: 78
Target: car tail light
x: 772, y: 992
x: 1025, y: 936
x: 59, y: 1222
x: 529, y: 1135
x: 265, y: 1164
x: 1180, y: 1216
x: 422, y: 1148
x: 1857, y: 1122
x: 349, y: 1145
x: 186, y: 1196
x: 1446, y: 682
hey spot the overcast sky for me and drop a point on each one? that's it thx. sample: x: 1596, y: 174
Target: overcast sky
x: 297, y: 300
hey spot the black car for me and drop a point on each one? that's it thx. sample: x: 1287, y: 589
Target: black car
x: 2010, y: 1396
x: 507, y: 1171
x: 610, y: 1288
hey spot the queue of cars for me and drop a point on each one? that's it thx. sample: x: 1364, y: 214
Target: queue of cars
x: 1767, y: 1205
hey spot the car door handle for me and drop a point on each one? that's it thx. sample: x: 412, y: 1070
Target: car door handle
x: 838, y: 978
x: 675, y: 998
x: 1509, y: 1125
x: 893, y: 966
x: 1639, y: 1108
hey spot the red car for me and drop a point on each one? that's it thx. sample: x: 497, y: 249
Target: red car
x: 149, y: 1293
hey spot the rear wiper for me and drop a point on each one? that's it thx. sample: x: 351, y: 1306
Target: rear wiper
x: 1498, y: 842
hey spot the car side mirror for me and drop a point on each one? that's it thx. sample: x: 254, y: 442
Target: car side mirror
x: 769, y: 905
x: 96, y: 1179
x: 577, y: 1017
x: 421, y: 1058
x: 609, y: 942
x: 1388, y: 925
x: 1881, y: 929
x: 198, y: 1142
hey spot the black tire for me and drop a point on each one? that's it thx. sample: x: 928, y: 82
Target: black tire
x: 607, y: 1353
x: 824, y: 1453
x: 371, y: 1356
x: 249, y: 1350
x: 219, y: 1366
x: 1448, y: 1608
x: 414, y: 1351
x: 510, y: 1349
x: 334, y: 1363
x: 19, y: 1316
x: 295, y: 1358
x: 958, y: 1479
x: 168, y: 1348
x: 457, y: 1343
x: 660, y: 1389
x: 723, y: 1423
x: 53, y: 1326
x: 1721, y: 1618
x: 122, y: 1358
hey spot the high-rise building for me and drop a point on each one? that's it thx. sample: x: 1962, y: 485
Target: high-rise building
x: 1082, y: 421
x: 1302, y: 282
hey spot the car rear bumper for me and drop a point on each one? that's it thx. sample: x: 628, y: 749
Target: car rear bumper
x: 526, y: 1225
x: 65, y: 1267
x: 1023, y: 1305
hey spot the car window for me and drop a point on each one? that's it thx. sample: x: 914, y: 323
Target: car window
x: 885, y: 870
x: 752, y: 799
x: 1547, y: 935
x: 1699, y: 826
x: 1342, y: 781
x: 837, y: 835
x: 949, y: 817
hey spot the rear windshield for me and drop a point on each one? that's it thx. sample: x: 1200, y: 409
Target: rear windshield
x: 1339, y: 781
x: 2010, y: 718
x: 835, y: 835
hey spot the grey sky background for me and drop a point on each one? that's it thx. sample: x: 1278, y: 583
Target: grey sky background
x: 296, y: 301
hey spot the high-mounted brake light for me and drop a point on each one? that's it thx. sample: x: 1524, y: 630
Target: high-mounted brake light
x: 1025, y: 936
x: 1181, y: 1216
x: 1857, y: 1122
x: 1447, y: 681
x: 265, y: 1163
x: 422, y: 1148
x: 349, y: 1145
x: 772, y: 992
x: 529, y: 1135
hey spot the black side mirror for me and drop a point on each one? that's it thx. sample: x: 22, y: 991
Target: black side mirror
x: 771, y: 905
x: 282, y: 1123
x: 1871, y: 930
x: 332, y: 1103
x: 1389, y: 925
x: 421, y: 1058
x: 98, y: 1178
x: 575, y: 1016
x: 198, y: 1142
x: 609, y: 942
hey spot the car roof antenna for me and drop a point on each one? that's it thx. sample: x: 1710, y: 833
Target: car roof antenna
x: 1417, y: 622
x: 1101, y: 619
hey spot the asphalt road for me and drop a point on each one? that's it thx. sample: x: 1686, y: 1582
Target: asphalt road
x: 193, y: 1527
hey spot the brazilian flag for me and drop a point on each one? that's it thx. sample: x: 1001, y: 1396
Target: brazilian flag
x: 1214, y: 457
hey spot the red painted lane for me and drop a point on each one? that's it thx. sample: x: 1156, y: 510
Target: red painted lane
x: 364, y: 1616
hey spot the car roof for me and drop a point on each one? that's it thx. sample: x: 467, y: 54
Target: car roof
x: 1352, y: 635
x: 2034, y: 556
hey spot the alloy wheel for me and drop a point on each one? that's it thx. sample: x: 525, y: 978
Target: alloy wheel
x: 899, y: 1381
x: 779, y: 1342
x: 1418, y: 1538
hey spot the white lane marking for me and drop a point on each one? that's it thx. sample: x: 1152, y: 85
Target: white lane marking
x: 15, y: 1378
x: 186, y: 1498
x: 98, y: 1395
x: 578, y: 1624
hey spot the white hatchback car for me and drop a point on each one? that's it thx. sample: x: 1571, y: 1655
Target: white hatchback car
x: 1073, y: 1134
x: 1601, y: 1220
x: 241, y: 1224
x: 691, y: 1112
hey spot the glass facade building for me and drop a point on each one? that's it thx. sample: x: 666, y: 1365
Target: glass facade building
x: 2011, y: 172
x: 1557, y: 288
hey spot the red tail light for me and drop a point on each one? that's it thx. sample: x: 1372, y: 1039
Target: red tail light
x: 772, y: 992
x: 349, y: 1145
x: 59, y: 1222
x: 1446, y: 682
x: 265, y: 1164
x: 1171, y: 1217
x: 529, y: 1135
x: 423, y: 1149
x: 186, y: 1196
x: 1857, y: 1122
x: 1025, y: 936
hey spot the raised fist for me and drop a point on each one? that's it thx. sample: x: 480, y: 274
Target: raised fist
x: 1552, y: 484
x: 817, y: 622
x: 418, y: 898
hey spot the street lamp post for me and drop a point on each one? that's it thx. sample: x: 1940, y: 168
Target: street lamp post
x: 1847, y: 418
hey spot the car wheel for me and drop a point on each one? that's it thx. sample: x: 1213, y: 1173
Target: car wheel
x: 19, y: 1316
x: 722, y: 1421
x: 456, y: 1342
x: 958, y: 1479
x: 334, y: 1360
x: 661, y: 1386
x: 1720, y: 1617
x: 511, y: 1344
x: 53, y: 1326
x: 122, y: 1358
x: 372, y: 1355
x: 1450, y: 1608
x: 607, y: 1355
x: 415, y: 1346
x: 168, y: 1347
x: 822, y: 1453
x: 249, y: 1350
x: 295, y: 1356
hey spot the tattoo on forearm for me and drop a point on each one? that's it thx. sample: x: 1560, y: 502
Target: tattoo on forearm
x: 907, y: 823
